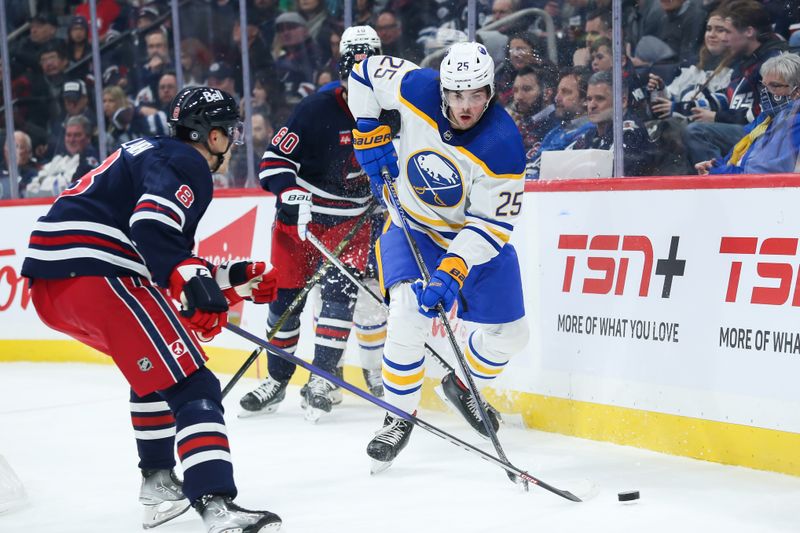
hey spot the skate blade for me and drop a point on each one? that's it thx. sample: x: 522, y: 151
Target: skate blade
x: 376, y: 467
x: 155, y: 515
x: 312, y: 414
x: 336, y: 399
x: 439, y: 390
x: 244, y: 413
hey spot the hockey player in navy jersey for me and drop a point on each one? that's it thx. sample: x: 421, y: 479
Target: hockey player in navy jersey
x: 105, y: 262
x: 311, y: 169
x: 458, y: 169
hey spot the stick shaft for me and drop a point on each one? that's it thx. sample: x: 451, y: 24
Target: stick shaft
x: 462, y: 361
x: 301, y: 296
x: 361, y: 285
x: 502, y: 463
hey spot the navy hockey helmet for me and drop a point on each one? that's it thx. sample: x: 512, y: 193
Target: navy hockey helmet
x: 195, y: 111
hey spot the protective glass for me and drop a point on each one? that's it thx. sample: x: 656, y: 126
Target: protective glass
x: 236, y: 133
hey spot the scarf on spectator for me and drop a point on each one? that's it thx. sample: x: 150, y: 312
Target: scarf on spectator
x: 743, y: 145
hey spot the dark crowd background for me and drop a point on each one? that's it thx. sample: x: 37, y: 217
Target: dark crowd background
x: 692, y: 81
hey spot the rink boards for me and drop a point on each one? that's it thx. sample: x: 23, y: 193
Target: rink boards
x: 664, y: 312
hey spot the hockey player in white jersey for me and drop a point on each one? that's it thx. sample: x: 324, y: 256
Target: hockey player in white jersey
x: 458, y: 168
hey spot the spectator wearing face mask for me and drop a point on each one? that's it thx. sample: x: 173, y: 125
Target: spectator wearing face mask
x: 712, y: 133
x: 771, y: 143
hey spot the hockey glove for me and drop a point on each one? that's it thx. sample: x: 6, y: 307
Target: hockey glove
x: 204, y: 305
x: 246, y: 280
x: 443, y: 286
x: 372, y: 144
x: 294, y: 213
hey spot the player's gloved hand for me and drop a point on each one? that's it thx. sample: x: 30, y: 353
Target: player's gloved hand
x: 372, y: 144
x: 443, y: 286
x: 294, y: 212
x: 247, y: 280
x: 204, y: 306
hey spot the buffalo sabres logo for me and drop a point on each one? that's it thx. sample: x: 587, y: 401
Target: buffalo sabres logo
x: 435, y: 179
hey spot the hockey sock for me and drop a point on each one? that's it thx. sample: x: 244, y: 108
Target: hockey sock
x: 403, y: 354
x: 202, y: 438
x: 335, y: 320
x: 490, y: 347
x: 287, y: 337
x: 371, y: 338
x: 154, y: 429
x: 370, y: 325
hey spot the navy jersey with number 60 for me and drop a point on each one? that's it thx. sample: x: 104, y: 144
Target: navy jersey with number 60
x: 134, y: 215
x: 314, y: 150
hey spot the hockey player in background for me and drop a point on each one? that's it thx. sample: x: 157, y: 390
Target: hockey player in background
x: 103, y: 265
x: 458, y: 171
x: 311, y: 169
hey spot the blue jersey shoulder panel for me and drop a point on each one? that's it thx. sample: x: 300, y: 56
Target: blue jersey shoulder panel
x: 420, y: 89
x: 496, y: 141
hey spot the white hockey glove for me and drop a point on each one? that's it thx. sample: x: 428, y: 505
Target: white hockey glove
x: 294, y: 212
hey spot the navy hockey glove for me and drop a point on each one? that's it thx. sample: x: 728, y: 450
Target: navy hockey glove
x: 372, y: 144
x: 443, y: 286
x: 294, y: 213
x: 204, y: 306
x: 247, y: 280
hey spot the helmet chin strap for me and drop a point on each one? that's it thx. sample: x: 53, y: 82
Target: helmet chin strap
x: 219, y: 155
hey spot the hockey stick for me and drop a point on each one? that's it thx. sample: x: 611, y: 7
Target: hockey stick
x: 361, y: 285
x: 301, y: 296
x: 502, y: 463
x: 462, y: 362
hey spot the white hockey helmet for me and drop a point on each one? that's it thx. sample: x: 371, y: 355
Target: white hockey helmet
x: 467, y: 66
x: 359, y: 35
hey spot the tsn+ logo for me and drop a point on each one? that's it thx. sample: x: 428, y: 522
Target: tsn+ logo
x: 603, y: 262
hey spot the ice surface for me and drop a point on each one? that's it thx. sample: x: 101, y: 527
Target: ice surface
x: 65, y: 429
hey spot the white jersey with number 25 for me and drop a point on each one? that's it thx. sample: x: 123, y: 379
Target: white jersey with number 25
x: 464, y: 189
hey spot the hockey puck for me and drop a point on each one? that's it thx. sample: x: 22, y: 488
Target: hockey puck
x: 628, y: 496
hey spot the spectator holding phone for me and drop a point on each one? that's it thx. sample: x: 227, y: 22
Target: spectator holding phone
x: 713, y: 132
x: 696, y: 84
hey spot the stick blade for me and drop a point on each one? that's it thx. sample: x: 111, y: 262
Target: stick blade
x: 568, y: 495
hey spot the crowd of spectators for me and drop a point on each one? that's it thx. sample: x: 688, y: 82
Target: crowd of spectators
x: 692, y: 74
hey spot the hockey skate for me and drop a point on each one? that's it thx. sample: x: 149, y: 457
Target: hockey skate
x: 221, y: 515
x: 162, y: 497
x: 263, y: 400
x: 388, y: 442
x: 455, y: 393
x: 374, y: 379
x: 318, y: 398
x: 336, y: 391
